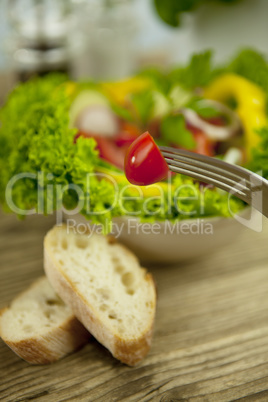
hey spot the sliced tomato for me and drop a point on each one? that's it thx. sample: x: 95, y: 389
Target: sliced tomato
x: 110, y: 152
x: 144, y: 163
x: 127, y: 134
x: 204, y: 145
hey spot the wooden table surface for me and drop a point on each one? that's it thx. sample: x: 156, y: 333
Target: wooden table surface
x: 210, y: 340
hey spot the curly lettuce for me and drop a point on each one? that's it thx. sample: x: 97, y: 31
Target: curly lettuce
x: 35, y: 138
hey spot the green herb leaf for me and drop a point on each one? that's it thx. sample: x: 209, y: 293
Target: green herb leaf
x: 157, y: 77
x: 122, y: 112
x: 143, y: 103
x: 251, y: 65
x: 173, y: 131
x: 197, y: 73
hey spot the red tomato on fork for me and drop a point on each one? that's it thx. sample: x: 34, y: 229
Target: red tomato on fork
x: 144, y: 163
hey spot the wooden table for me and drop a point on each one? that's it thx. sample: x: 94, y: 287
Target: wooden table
x: 210, y: 340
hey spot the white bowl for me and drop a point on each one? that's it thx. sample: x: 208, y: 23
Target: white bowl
x: 167, y: 243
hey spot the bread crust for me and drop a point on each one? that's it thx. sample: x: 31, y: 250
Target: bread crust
x: 52, y: 345
x: 128, y: 351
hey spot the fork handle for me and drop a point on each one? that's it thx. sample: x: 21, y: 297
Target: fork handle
x: 265, y: 200
x: 257, y: 192
x: 259, y: 198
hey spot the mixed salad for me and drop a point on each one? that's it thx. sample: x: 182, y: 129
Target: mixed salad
x: 71, y: 132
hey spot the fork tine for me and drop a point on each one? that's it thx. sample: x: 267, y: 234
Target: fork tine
x: 205, y: 166
x: 233, y: 172
x: 210, y: 180
x: 209, y: 173
x: 246, y: 185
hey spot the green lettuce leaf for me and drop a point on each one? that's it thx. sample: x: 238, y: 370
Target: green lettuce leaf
x: 35, y: 138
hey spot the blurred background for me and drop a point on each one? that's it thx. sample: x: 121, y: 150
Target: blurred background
x: 110, y: 39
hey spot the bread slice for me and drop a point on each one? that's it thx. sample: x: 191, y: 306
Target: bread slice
x: 39, y: 327
x: 106, y: 288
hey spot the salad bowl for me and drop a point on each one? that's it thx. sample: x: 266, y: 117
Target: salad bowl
x: 161, y: 243
x: 55, y: 134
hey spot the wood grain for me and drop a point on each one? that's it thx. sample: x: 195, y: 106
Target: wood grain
x: 210, y: 339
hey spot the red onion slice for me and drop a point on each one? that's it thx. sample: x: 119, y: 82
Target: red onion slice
x: 213, y: 132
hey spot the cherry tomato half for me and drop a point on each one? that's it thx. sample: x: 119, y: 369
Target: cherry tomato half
x: 144, y: 163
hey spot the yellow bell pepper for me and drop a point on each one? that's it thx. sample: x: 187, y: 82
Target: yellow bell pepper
x: 152, y: 190
x: 119, y: 90
x: 251, y: 104
x: 70, y: 88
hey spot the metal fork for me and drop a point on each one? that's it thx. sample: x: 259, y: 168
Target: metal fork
x: 238, y: 181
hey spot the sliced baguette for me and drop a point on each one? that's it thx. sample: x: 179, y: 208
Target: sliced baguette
x: 106, y: 288
x: 39, y: 327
